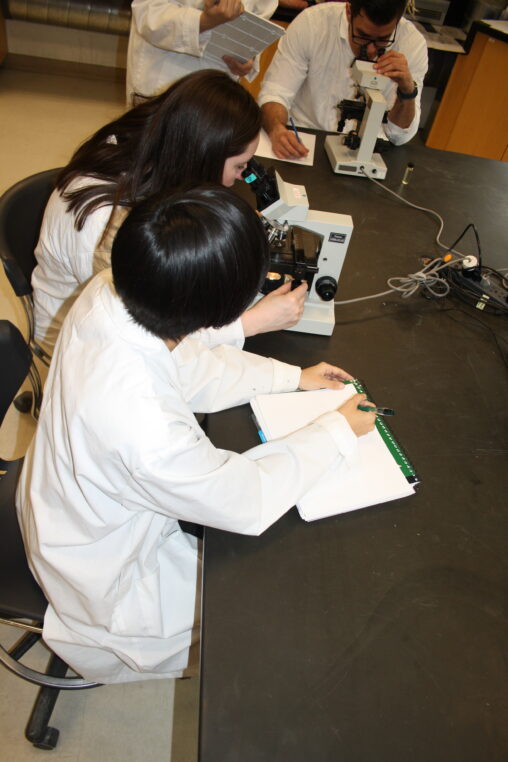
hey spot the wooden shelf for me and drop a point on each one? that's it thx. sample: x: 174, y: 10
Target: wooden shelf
x: 473, y: 115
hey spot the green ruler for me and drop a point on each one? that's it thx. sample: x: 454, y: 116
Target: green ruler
x: 394, y: 447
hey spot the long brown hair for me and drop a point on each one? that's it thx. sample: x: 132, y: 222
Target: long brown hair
x: 182, y: 136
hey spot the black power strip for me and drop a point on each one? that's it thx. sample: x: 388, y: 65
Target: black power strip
x: 480, y: 286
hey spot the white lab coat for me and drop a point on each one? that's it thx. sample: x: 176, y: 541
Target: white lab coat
x: 118, y: 457
x: 68, y: 258
x: 165, y: 43
x: 311, y: 70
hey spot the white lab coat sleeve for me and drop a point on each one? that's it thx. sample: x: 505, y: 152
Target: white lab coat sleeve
x: 84, y: 261
x: 223, y: 377
x: 290, y: 64
x: 230, y: 334
x: 244, y: 493
x: 415, y: 50
x: 66, y: 260
x: 170, y: 25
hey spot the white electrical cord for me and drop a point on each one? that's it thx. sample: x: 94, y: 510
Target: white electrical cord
x: 427, y: 277
x: 421, y: 209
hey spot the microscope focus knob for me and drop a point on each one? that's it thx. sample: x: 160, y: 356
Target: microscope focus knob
x: 326, y: 288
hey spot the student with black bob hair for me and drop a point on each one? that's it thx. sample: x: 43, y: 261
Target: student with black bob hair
x: 119, y: 459
x: 203, y: 129
x: 198, y: 247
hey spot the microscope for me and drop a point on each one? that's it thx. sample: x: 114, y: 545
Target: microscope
x: 305, y: 245
x: 354, y: 153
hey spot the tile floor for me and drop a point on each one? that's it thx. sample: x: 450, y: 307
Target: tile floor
x: 43, y: 119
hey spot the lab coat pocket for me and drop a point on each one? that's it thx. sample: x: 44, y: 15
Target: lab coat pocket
x: 138, y: 609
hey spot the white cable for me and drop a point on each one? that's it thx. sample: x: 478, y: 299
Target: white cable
x: 364, y: 298
x: 421, y: 209
x: 427, y: 277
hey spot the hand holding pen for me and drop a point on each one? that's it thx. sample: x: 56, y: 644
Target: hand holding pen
x: 285, y: 144
x: 360, y: 421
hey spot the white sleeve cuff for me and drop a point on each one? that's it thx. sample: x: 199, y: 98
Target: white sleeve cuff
x: 254, y: 71
x: 203, y: 40
x: 285, y: 377
x: 399, y: 135
x: 341, y: 433
x: 231, y: 334
x: 267, y: 97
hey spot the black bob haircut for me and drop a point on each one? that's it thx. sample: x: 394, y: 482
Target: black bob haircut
x: 189, y: 260
x: 380, y: 12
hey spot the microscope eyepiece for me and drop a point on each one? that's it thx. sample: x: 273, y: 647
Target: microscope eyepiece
x: 262, y: 182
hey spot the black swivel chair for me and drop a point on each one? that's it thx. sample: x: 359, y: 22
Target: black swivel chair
x: 22, y: 602
x: 21, y: 211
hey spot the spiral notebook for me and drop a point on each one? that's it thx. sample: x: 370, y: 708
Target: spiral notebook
x: 381, y: 471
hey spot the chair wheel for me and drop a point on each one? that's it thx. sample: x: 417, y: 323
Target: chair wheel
x: 49, y: 740
x: 23, y: 402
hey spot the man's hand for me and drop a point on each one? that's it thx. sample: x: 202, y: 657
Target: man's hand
x: 394, y: 65
x: 217, y: 12
x: 238, y: 68
x: 285, y: 145
x: 323, y: 376
x: 280, y: 309
x: 360, y: 421
x: 298, y: 5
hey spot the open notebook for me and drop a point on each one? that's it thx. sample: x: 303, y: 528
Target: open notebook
x: 380, y: 473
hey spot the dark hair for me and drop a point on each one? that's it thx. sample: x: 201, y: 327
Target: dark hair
x: 379, y: 11
x: 182, y: 136
x: 190, y: 260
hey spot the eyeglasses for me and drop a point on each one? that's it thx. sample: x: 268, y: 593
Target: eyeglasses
x: 380, y: 43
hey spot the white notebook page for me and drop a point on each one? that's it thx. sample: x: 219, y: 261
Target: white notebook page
x: 374, y: 478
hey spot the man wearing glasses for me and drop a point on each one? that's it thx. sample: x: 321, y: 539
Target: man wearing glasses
x: 311, y: 71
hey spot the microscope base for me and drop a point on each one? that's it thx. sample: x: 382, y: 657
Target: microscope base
x: 344, y: 161
x: 317, y: 318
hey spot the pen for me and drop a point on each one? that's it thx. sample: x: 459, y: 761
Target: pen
x: 293, y: 126
x: 377, y: 410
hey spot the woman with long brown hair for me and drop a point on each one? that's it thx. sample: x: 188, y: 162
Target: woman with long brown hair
x: 204, y: 128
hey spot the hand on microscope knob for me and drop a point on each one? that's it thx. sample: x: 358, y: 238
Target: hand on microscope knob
x: 280, y: 309
x: 323, y: 376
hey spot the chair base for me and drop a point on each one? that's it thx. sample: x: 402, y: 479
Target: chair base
x: 23, y: 402
x: 38, y: 730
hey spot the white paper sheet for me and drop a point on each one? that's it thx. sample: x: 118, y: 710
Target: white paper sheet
x: 374, y: 478
x: 265, y: 149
